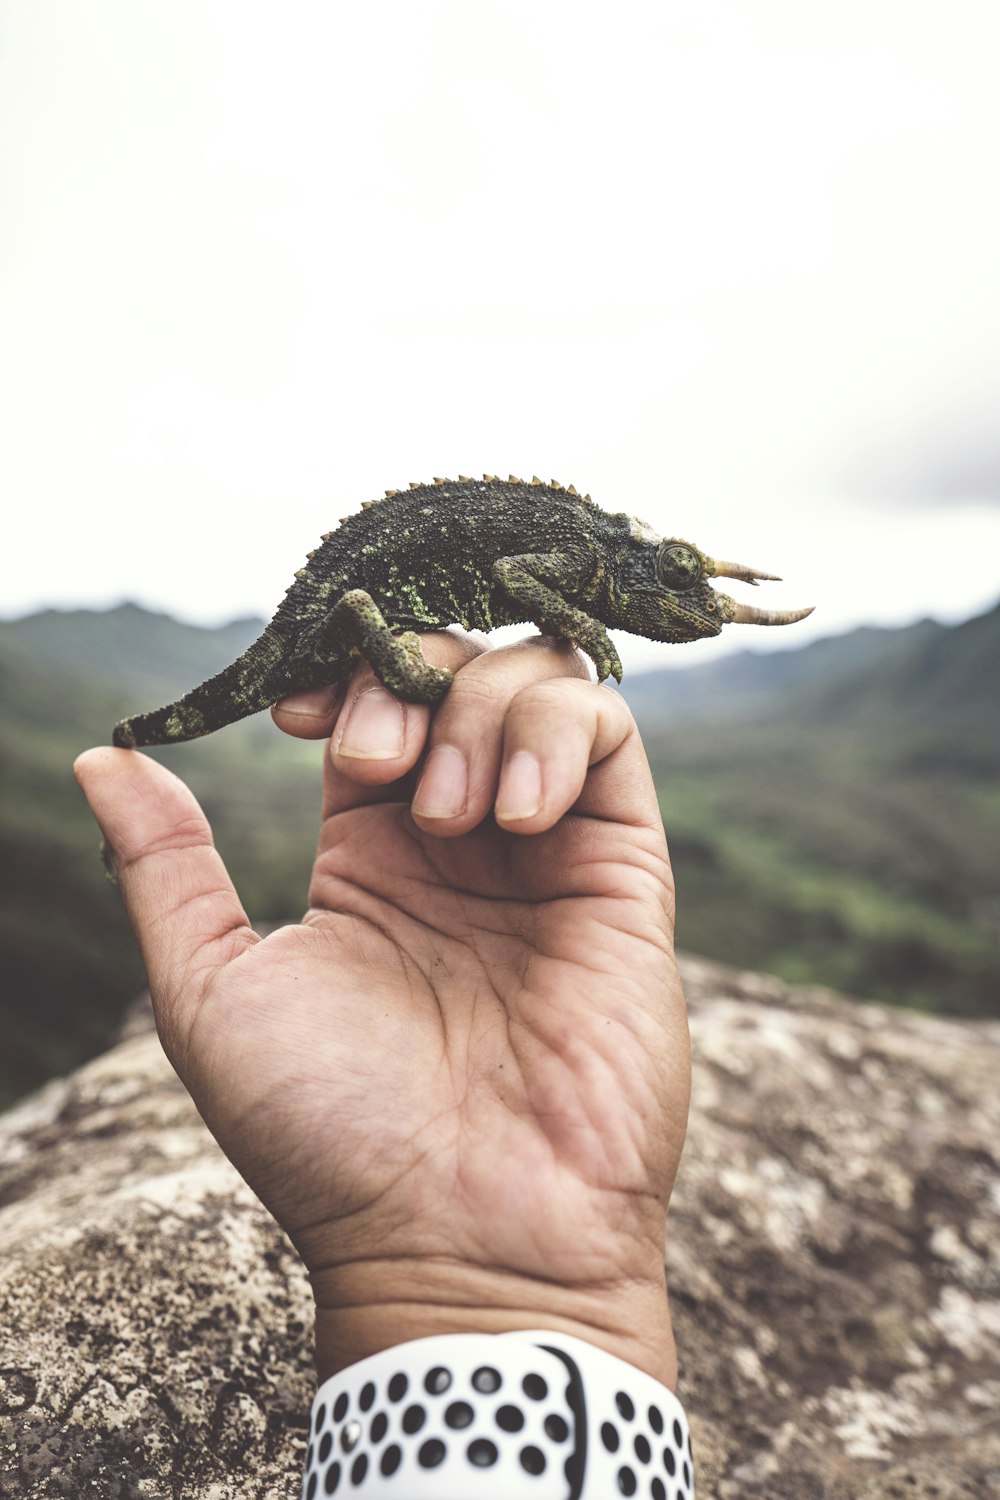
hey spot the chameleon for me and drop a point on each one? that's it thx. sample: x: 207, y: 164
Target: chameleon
x: 473, y: 552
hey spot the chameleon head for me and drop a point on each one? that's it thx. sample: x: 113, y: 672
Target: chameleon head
x: 682, y: 606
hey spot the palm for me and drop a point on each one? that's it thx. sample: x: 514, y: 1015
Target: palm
x: 461, y: 1083
x: 494, y: 1039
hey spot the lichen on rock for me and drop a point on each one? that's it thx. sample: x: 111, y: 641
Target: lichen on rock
x: 833, y: 1260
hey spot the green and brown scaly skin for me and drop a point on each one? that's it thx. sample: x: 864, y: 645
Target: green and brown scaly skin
x: 478, y: 553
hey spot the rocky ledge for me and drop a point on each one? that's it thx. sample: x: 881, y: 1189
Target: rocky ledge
x: 833, y: 1257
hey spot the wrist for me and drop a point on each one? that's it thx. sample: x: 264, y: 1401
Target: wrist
x: 373, y: 1305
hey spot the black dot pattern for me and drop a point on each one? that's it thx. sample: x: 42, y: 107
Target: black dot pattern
x: 414, y: 1418
x: 486, y: 1380
x: 532, y: 1459
x: 497, y: 1421
x: 431, y: 1453
x: 625, y: 1405
x: 661, y: 1469
x: 391, y: 1459
x: 483, y: 1453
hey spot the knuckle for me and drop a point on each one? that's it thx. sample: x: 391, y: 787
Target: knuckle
x: 473, y: 690
x: 612, y: 702
x: 454, y: 649
x: 556, y: 694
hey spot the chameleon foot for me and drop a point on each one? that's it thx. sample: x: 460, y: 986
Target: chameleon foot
x: 602, y: 653
x: 396, y: 660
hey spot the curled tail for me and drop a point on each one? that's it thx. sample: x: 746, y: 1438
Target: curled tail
x: 251, y: 683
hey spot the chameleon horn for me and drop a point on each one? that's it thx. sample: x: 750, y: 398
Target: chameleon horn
x: 748, y: 575
x: 746, y: 614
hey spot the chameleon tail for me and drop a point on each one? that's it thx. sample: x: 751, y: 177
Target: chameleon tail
x: 248, y: 685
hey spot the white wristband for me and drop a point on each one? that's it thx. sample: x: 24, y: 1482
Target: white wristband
x: 511, y: 1416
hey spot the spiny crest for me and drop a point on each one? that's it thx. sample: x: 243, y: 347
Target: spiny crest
x: 549, y: 484
x: 534, y: 482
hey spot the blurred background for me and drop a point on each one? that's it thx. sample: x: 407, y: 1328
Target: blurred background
x: 727, y: 264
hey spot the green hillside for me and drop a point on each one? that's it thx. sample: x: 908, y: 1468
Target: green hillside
x: 65, y: 679
x: 833, y: 812
x: 840, y: 823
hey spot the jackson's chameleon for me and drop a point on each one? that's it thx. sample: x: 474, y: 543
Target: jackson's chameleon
x: 475, y: 552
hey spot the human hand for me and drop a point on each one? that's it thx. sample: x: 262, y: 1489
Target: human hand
x: 461, y: 1083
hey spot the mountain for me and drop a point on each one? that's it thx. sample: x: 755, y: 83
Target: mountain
x: 925, y: 678
x: 66, y: 677
x: 754, y: 682
x: 130, y: 647
x: 833, y: 812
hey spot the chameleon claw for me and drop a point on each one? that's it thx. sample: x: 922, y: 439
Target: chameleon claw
x: 608, y: 665
x: 110, y: 870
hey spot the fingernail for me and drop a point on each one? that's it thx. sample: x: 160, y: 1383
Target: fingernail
x: 309, y: 705
x: 375, y: 727
x: 444, y: 787
x: 520, y: 793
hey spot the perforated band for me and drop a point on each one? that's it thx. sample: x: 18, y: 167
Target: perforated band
x: 511, y: 1416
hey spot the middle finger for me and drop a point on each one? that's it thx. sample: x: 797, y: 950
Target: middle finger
x: 459, y: 779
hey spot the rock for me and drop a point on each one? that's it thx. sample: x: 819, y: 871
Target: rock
x: 155, y: 1325
x: 833, y: 1261
x: 834, y: 1246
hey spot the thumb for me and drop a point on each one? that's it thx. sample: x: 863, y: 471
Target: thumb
x: 184, y: 910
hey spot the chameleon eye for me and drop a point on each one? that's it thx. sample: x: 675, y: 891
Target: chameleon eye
x: 678, y: 567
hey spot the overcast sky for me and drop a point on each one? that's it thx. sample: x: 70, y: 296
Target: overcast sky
x: 727, y: 264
